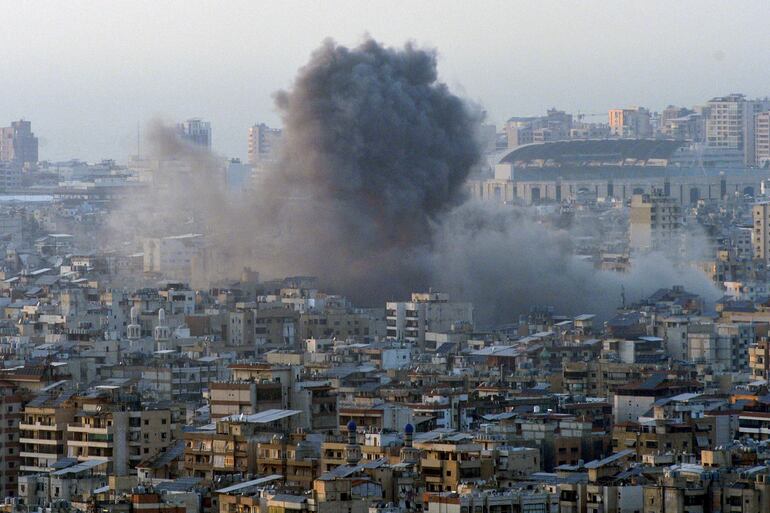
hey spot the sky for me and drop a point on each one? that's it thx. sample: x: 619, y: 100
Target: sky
x: 88, y: 74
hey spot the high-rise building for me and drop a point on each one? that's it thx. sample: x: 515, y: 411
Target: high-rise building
x: 656, y: 223
x: 18, y: 143
x: 429, y: 311
x: 760, y: 236
x: 634, y: 123
x: 556, y: 125
x: 264, y: 143
x: 196, y: 132
x: 762, y: 139
x: 730, y: 124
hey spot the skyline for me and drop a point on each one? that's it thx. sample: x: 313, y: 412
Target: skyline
x: 141, y: 62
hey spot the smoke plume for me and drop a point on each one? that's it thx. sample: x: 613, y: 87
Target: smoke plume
x: 369, y: 195
x: 376, y: 151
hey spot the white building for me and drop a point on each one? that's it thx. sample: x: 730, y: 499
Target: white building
x: 264, y: 143
x: 195, y: 131
x: 730, y: 124
x: 430, y: 311
x: 172, y: 256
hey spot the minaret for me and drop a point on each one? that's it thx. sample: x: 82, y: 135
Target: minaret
x: 409, y: 454
x: 162, y: 331
x: 352, y: 449
x: 134, y: 330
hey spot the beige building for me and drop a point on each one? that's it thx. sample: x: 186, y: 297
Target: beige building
x: 264, y: 143
x: 247, y: 397
x: 18, y: 143
x: 632, y: 123
x: 760, y: 237
x: 762, y: 138
x: 759, y: 359
x: 43, y: 432
x: 655, y: 223
x: 124, y: 437
x: 445, y: 463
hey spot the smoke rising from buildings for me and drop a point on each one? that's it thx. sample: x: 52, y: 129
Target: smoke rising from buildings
x: 505, y: 261
x: 368, y: 194
x: 375, y: 152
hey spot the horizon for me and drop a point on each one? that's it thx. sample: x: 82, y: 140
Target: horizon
x: 85, y: 85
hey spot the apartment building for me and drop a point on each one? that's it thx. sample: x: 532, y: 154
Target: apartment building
x: 177, y: 378
x: 762, y: 139
x: 230, y: 444
x: 426, y: 312
x: 730, y: 124
x: 655, y: 223
x: 447, y: 460
x: 491, y: 501
x: 276, y: 328
x: 196, y: 132
x: 634, y: 123
x: 599, y: 378
x: 264, y: 143
x: 43, y: 431
x: 375, y: 446
x: 293, y: 457
x: 18, y: 143
x: 126, y: 438
x: 759, y: 359
x: 172, y: 256
x: 636, y: 399
x: 228, y: 398
x: 10, y: 417
x: 760, y: 214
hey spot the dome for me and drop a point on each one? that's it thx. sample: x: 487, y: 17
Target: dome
x: 351, y: 426
x: 409, y: 429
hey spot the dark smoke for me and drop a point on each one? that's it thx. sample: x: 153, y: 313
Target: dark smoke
x: 505, y: 262
x: 376, y: 151
x: 368, y: 195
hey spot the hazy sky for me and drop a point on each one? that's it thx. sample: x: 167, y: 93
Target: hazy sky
x: 86, y: 73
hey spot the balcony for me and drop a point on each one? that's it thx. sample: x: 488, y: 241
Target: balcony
x: 87, y: 444
x: 39, y: 441
x: 89, y: 429
x: 38, y: 427
x: 53, y: 456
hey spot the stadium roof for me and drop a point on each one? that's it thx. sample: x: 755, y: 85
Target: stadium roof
x: 592, y: 152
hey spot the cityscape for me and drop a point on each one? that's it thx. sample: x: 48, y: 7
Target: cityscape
x: 390, y: 300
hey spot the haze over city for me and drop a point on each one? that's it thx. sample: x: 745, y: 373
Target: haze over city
x: 72, y: 66
x: 384, y: 257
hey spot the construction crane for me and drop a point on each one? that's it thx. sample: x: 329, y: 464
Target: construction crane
x: 581, y: 115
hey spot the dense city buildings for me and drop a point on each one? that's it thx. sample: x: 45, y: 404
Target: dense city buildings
x: 136, y: 375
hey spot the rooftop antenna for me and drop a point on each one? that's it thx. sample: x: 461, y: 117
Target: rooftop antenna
x: 623, y: 297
